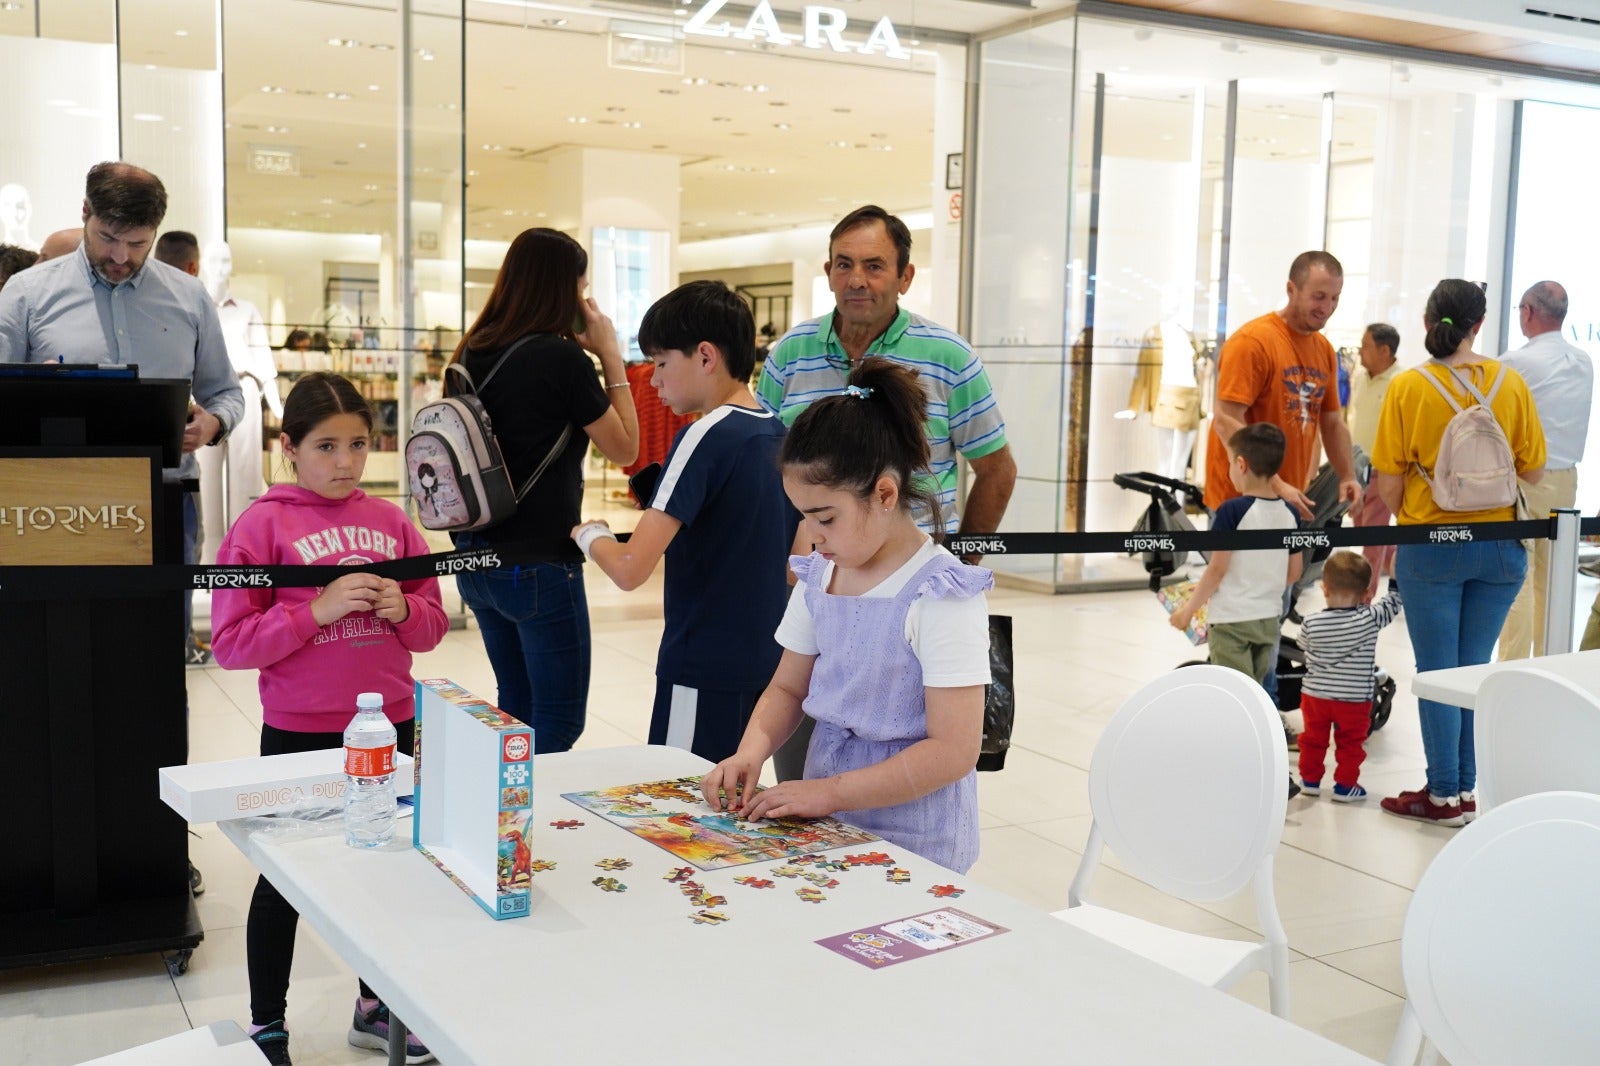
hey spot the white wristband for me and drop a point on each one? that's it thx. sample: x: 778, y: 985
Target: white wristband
x: 588, y: 534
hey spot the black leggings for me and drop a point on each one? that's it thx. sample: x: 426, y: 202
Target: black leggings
x: 270, y: 928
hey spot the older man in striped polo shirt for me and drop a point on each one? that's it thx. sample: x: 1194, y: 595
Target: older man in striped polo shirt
x: 869, y: 269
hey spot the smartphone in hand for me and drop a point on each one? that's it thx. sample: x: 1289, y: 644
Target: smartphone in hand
x: 643, y: 484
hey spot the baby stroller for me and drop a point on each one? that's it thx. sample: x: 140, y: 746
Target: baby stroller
x: 1167, y: 513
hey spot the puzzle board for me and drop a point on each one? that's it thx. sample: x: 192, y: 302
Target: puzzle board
x: 671, y: 815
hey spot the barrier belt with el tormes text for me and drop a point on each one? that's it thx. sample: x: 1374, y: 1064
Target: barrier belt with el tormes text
x: 19, y: 583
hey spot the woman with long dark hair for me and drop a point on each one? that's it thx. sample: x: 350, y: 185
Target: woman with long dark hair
x: 535, y: 617
x: 1456, y: 594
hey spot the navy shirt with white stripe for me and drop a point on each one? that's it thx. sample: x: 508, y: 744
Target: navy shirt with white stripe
x: 1341, y: 644
x: 726, y: 570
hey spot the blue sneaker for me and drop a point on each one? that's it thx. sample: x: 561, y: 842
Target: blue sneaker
x: 370, y: 1029
x: 1311, y: 788
x: 273, y: 1042
x: 1353, y: 794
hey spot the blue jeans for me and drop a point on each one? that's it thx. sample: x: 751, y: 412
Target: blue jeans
x: 1456, y: 599
x: 535, y: 625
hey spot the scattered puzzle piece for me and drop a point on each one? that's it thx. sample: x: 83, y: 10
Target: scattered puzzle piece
x: 614, y: 864
x: 539, y: 866
x: 871, y: 858
x: 898, y: 876
x: 609, y: 884
x: 834, y: 865
x: 752, y: 882
x: 691, y: 888
x: 810, y: 895
x: 708, y: 917
x: 806, y: 860
x: 566, y: 823
x: 682, y: 873
x: 945, y: 891
x: 822, y: 880
x: 787, y: 871
x: 706, y: 900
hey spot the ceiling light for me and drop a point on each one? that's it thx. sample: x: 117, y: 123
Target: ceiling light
x: 381, y: 47
x: 578, y: 119
x: 145, y: 116
x: 777, y: 103
x: 326, y: 201
x: 180, y: 33
x: 539, y: 214
x: 337, y: 96
x: 729, y: 166
x: 277, y: 129
x: 361, y: 144
x: 720, y: 118
x: 10, y: 5
x: 780, y: 125
x: 472, y: 173
x: 616, y: 110
x: 272, y: 88
x: 425, y: 54
x: 841, y: 111
x: 772, y: 170
x: 373, y: 88
x: 634, y: 125
x: 667, y: 92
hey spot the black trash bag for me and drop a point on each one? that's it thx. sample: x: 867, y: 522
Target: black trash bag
x: 999, y: 697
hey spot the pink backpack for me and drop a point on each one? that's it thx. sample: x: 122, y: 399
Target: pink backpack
x: 1476, y: 470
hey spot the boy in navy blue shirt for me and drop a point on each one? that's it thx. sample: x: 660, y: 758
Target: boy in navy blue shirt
x: 718, y: 514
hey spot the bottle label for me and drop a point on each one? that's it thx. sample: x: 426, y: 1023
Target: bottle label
x: 369, y: 762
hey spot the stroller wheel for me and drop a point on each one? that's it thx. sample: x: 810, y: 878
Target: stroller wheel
x: 1382, y: 704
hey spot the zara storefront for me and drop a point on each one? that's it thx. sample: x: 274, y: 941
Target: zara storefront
x: 1135, y: 182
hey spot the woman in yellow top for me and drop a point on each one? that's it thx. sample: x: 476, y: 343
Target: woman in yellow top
x: 1457, y: 595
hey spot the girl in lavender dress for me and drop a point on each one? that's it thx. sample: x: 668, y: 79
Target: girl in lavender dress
x: 886, y: 638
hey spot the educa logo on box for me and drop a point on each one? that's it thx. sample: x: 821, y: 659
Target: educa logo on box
x: 515, y: 748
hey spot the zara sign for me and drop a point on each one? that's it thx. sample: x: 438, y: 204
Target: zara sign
x: 823, y: 27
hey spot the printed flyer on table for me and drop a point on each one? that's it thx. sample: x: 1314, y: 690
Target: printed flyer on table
x: 915, y: 937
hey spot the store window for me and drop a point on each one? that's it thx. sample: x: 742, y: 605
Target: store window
x: 1113, y: 258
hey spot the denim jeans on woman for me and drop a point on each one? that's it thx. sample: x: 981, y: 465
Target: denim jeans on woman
x: 535, y: 625
x: 1457, y: 597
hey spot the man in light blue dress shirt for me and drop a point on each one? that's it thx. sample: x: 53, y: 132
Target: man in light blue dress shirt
x: 111, y: 302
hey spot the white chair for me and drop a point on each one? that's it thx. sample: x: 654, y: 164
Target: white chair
x: 1189, y: 786
x: 1499, y: 942
x: 1534, y: 732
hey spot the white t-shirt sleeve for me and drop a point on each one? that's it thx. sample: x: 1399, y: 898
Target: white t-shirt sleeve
x: 797, y: 632
x: 950, y: 638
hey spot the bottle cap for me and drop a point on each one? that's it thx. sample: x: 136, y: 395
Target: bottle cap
x: 369, y: 701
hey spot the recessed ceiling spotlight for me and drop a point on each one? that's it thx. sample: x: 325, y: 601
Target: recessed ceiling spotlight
x: 841, y: 111
x: 381, y: 47
x: 373, y: 88
x: 667, y: 92
x: 472, y: 173
x: 10, y: 5
x: 180, y: 33
x: 425, y: 54
x: 616, y: 110
x: 634, y: 125
x: 772, y: 170
x: 277, y: 129
x: 538, y: 214
x: 777, y: 103
x: 272, y: 88
x: 146, y: 116
x: 369, y: 187
x: 337, y: 96
x: 780, y: 125
x: 361, y: 144
x: 578, y: 119
x: 729, y: 166
x: 720, y: 118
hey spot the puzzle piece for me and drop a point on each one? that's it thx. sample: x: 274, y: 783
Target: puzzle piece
x: 614, y: 864
x: 708, y: 917
x: 834, y: 865
x: 787, y: 871
x: 821, y: 880
x: 806, y: 860
x: 705, y: 900
x: 609, y: 884
x: 898, y: 876
x: 682, y: 873
x: 752, y: 882
x: 945, y: 891
x: 810, y: 895
x: 539, y: 866
x: 566, y: 823
x: 871, y: 858
x: 691, y: 888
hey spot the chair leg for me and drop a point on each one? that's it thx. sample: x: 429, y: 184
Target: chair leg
x: 1086, y: 867
x: 1278, y: 979
x: 1407, y: 1039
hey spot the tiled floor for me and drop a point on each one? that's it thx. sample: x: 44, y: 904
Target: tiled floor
x: 1344, y: 873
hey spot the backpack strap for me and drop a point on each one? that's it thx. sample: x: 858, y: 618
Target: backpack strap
x: 1433, y: 380
x: 561, y: 442
x: 1466, y: 383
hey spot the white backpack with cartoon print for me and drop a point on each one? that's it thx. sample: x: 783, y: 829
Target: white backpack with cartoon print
x: 1476, y: 469
x: 458, y: 476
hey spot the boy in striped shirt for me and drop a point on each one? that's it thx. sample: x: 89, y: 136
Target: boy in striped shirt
x: 1336, y: 695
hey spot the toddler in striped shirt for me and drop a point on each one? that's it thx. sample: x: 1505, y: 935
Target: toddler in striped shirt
x: 1336, y: 696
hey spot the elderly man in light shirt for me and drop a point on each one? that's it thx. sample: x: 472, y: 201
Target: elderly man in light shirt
x: 1561, y: 378
x: 1380, y: 345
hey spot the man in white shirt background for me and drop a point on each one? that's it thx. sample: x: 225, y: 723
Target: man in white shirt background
x: 1561, y: 378
x: 1380, y: 345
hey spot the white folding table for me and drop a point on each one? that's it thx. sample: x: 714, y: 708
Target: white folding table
x: 628, y: 977
x: 1459, y: 685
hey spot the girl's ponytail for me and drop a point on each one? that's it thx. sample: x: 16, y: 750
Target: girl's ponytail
x: 877, y: 426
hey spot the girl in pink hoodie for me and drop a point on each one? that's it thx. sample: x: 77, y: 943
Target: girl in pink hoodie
x: 317, y: 648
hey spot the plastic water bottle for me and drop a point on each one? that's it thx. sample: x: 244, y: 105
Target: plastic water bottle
x: 369, y: 775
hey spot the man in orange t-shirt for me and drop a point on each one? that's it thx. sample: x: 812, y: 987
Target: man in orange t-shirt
x: 1279, y: 368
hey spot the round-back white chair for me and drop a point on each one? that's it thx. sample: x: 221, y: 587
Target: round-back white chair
x: 1534, y: 732
x: 1500, y: 939
x: 1188, y: 788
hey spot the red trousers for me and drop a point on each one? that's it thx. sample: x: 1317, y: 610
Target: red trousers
x: 1349, y: 722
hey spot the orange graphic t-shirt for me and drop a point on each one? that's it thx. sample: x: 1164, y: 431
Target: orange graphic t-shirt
x: 1286, y: 378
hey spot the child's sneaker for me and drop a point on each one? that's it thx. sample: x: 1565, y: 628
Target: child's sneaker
x: 1352, y: 794
x: 273, y: 1040
x: 1469, y: 806
x: 1420, y: 805
x: 370, y: 1029
x: 1311, y: 788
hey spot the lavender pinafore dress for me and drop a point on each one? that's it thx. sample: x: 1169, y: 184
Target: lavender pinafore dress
x: 868, y: 700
